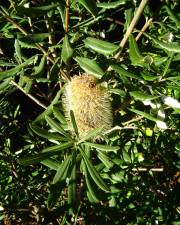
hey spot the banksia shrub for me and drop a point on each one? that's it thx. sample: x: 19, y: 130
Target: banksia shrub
x: 90, y: 103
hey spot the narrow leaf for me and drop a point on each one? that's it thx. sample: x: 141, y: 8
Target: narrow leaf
x: 73, y: 122
x: 103, y: 47
x: 93, y: 172
x: 59, y: 115
x: 45, y: 134
x: 55, y: 126
x: 92, y: 197
x: 62, y: 171
x: 47, y: 152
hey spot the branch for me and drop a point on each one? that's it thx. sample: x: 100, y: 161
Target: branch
x: 131, y: 26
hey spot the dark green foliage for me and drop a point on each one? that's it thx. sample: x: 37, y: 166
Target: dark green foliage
x: 51, y: 175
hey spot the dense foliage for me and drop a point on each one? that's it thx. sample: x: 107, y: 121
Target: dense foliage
x: 51, y: 175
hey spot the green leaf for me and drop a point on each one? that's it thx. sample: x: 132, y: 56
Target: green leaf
x: 73, y: 122
x: 36, y: 11
x: 4, y: 85
x: 91, y: 189
x: 50, y: 107
x: 40, y: 68
x: 72, y: 195
x: 90, y: 5
x: 45, y: 134
x: 126, y: 156
x: 123, y: 72
x: 62, y: 171
x: 51, y: 163
x: 138, y: 95
x: 105, y: 159
x: 103, y: 47
x: 106, y: 148
x: 55, y: 192
x: 134, y: 53
x: 90, y: 66
x: 93, y: 172
x: 59, y: 115
x: 55, y: 126
x: 46, y: 153
x: 33, y: 38
x: 111, y: 5
x: 146, y: 115
x: 15, y: 70
x: 91, y: 134
x: 67, y: 51
x: 18, y: 50
x: 171, y: 47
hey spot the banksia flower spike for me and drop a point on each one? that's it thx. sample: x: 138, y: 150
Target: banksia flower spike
x: 90, y: 103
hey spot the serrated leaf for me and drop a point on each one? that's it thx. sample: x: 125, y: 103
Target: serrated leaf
x: 122, y: 72
x: 67, y: 51
x: 35, y: 11
x: 46, y: 153
x: 33, y: 38
x: 138, y: 95
x: 90, y: 5
x: 111, y: 5
x: 90, y: 66
x: 93, y: 172
x: 4, y: 85
x: 106, y: 148
x: 62, y: 171
x: 171, y: 47
x: 40, y: 68
x: 55, y: 126
x: 18, y: 50
x: 103, y: 47
x: 15, y: 70
x: 134, y: 53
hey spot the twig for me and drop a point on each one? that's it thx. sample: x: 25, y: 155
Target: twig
x: 29, y: 95
x: 131, y: 26
x: 146, y: 25
x: 133, y: 120
x: 115, y: 21
x: 67, y: 15
x: 121, y: 128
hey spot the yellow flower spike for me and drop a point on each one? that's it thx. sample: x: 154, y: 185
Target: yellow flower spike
x: 90, y: 103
